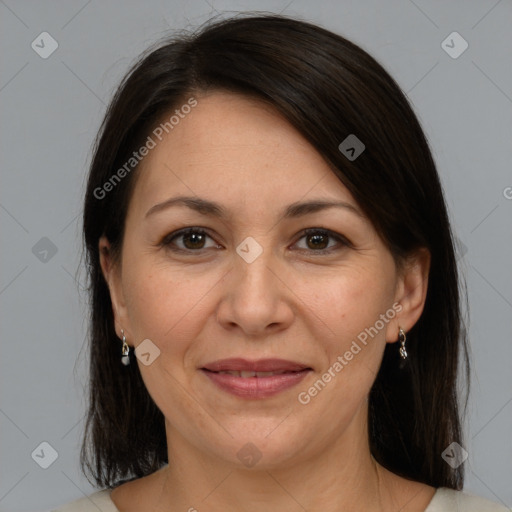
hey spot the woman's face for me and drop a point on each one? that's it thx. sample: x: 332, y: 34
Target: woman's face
x: 281, y: 294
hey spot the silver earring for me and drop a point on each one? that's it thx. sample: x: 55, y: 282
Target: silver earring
x: 125, y: 359
x: 402, y: 338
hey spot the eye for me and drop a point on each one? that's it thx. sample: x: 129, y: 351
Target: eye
x: 193, y: 240
x: 317, y: 240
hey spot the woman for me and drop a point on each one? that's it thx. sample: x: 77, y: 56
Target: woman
x: 276, y: 320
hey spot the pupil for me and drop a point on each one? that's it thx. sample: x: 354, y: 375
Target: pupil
x: 318, y: 238
x: 197, y: 238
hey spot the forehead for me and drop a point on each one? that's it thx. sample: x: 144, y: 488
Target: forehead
x: 235, y: 148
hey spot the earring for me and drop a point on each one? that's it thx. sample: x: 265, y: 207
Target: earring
x: 125, y: 359
x: 402, y: 338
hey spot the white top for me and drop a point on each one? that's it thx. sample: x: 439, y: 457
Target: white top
x: 444, y: 500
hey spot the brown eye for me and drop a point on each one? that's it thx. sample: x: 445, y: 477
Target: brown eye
x: 192, y: 239
x: 317, y: 240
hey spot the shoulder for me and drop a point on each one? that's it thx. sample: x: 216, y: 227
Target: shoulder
x: 99, y: 500
x: 448, y: 500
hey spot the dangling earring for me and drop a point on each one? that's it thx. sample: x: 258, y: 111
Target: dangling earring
x: 402, y: 338
x: 125, y: 359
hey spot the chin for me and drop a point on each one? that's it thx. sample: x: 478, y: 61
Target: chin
x: 263, y: 449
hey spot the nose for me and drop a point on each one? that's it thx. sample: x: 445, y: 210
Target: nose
x: 256, y: 298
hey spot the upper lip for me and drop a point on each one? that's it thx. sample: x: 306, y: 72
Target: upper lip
x: 260, y: 365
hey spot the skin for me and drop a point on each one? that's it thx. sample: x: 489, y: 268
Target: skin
x: 291, y: 303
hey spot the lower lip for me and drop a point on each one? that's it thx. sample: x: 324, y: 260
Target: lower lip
x: 255, y: 387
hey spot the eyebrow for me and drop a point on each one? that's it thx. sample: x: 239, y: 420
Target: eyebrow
x: 206, y: 207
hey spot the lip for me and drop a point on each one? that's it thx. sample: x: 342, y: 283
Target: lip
x: 255, y: 387
x: 260, y: 365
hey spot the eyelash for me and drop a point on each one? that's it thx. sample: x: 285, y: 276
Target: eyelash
x: 167, y: 241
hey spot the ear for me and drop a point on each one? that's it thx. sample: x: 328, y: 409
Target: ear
x: 112, y: 275
x: 411, y: 292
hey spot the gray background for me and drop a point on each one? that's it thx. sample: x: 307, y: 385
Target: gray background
x: 50, y: 111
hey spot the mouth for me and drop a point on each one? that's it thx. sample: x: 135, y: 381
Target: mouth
x: 248, y: 373
x: 255, y: 379
x: 239, y: 364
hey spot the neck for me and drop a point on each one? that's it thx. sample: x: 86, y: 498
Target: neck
x: 342, y: 476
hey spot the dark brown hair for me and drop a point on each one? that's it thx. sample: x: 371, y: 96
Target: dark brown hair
x: 327, y: 88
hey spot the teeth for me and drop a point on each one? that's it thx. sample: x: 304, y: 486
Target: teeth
x: 246, y: 374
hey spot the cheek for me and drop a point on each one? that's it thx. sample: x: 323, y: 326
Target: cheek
x: 340, y: 311
x: 167, y: 308
x: 350, y: 303
x: 347, y: 324
x: 165, y: 305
